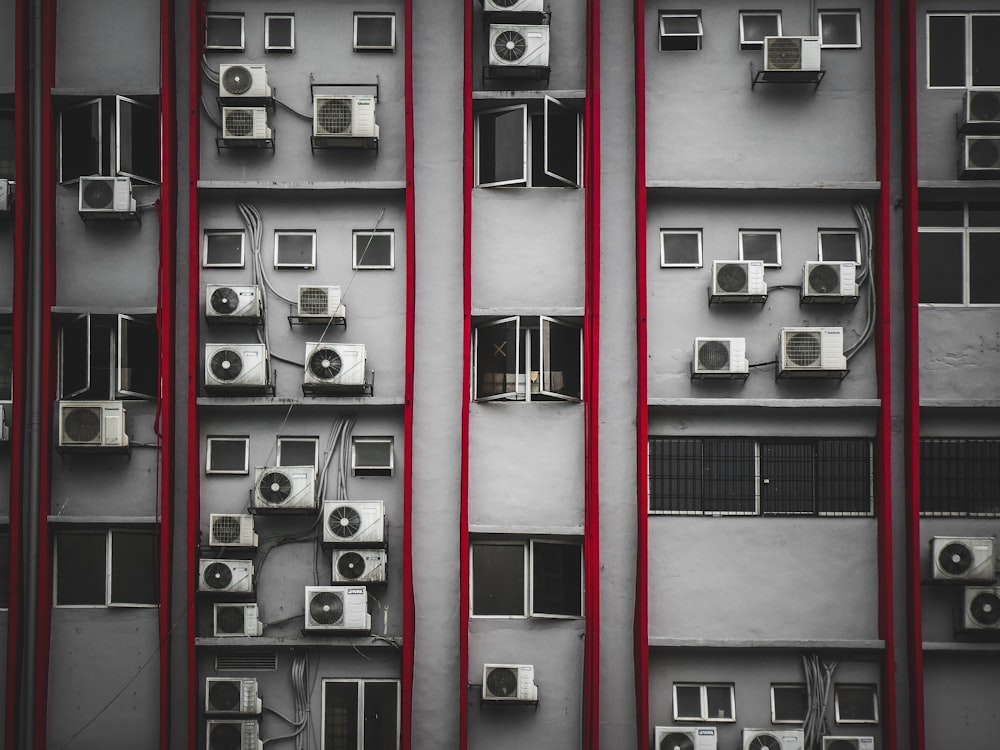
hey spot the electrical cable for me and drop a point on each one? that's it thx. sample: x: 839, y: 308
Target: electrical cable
x: 308, y: 117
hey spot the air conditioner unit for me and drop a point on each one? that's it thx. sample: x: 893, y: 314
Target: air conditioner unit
x: 231, y: 530
x: 823, y: 281
x: 831, y: 742
x: 243, y: 81
x: 344, y: 121
x: 337, y: 608
x: 233, y: 735
x: 352, y: 523
x: 963, y: 559
x: 232, y: 696
x: 720, y: 358
x: 811, y: 352
x: 509, y: 683
x: 106, y: 197
x: 738, y: 281
x: 285, y: 488
x: 225, y: 576
x: 520, y: 6
x: 981, y: 609
x: 334, y: 364
x: 980, y: 156
x: 359, y: 566
x: 4, y: 429
x: 245, y: 126
x: 690, y: 738
x: 519, y: 45
x: 320, y: 302
x: 236, y: 367
x: 791, y: 53
x: 92, y: 425
x: 6, y: 196
x: 773, y: 739
x: 982, y: 109
x: 235, y: 620
x: 233, y: 304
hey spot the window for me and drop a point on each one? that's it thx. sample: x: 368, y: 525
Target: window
x: 106, y: 568
x: 959, y: 253
x: 962, y: 50
x: 7, y: 149
x: 223, y: 248
x: 840, y: 29
x: 856, y: 704
x: 294, y: 249
x: 298, y: 451
x: 704, y: 702
x: 112, y: 135
x: 6, y: 364
x: 757, y: 24
x: 374, y: 32
x: 371, y: 457
x: 107, y: 356
x: 680, y: 30
x: 528, y: 358
x: 533, y: 577
x: 279, y: 32
x: 374, y: 249
x: 680, y: 248
x: 839, y: 245
x: 228, y: 454
x: 960, y: 477
x: 745, y: 476
x: 761, y: 244
x: 518, y: 146
x: 788, y: 704
x: 224, y: 31
x: 360, y: 715
x: 4, y: 568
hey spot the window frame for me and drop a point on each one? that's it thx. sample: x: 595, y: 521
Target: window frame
x: 821, y: 232
x: 361, y: 684
x: 308, y: 266
x: 533, y: 612
x: 116, y: 324
x: 381, y: 470
x: 703, y: 691
x: 754, y: 44
x: 856, y: 44
x: 776, y: 686
x: 667, y: 231
x: 855, y: 685
x: 967, y: 230
x: 356, y: 234
x: 297, y: 439
x: 391, y: 47
x: 207, y: 233
x: 268, y: 17
x: 6, y: 361
x: 109, y: 536
x: 677, y: 14
x: 776, y: 233
x: 152, y: 177
x: 4, y: 568
x: 100, y: 167
x: 211, y: 439
x: 210, y: 16
x: 967, y: 16
x: 955, y: 459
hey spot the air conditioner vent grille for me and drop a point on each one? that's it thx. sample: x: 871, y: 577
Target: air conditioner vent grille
x: 225, y: 695
x: 984, y: 153
x: 237, y: 80
x: 325, y: 363
x: 99, y: 194
x: 985, y: 608
x: 315, y: 300
x: 731, y: 277
x: 226, y: 529
x: 803, y: 348
x: 83, y: 424
x: 824, y: 279
x: 218, y: 576
x: 226, y: 364
x: 784, y: 53
x: 713, y: 355
x: 230, y: 619
x: 239, y: 122
x: 984, y: 106
x: 344, y: 521
x: 510, y: 45
x: 502, y: 682
x: 334, y: 116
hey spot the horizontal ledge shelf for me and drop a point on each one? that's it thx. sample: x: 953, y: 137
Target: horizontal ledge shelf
x: 514, y: 95
x: 477, y: 528
x: 77, y: 310
x: 768, y: 188
x: 959, y: 403
x: 259, y: 641
x: 708, y: 643
x: 964, y: 185
x: 565, y: 312
x: 105, y: 91
x: 105, y: 520
x: 303, y: 186
x: 223, y: 401
x: 770, y: 403
x: 969, y: 647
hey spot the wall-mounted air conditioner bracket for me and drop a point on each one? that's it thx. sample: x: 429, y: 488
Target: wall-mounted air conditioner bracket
x: 314, y: 320
x: 366, y: 143
x: 533, y: 17
x: 245, y: 143
x: 337, y: 389
x: 815, y: 77
x: 526, y: 72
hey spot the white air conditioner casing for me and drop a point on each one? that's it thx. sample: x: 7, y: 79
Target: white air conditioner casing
x: 218, y: 576
x: 106, y: 197
x: 231, y: 696
x: 963, y: 559
x: 231, y: 530
x: 236, y: 367
x: 719, y: 358
x: 808, y: 352
x: 243, y: 81
x: 980, y: 156
x: 825, y: 281
x: 320, y: 302
x: 519, y: 45
x: 354, y: 566
x: 353, y: 523
x: 763, y: 739
x: 337, y: 608
x: 843, y: 742
x: 509, y: 683
x: 791, y: 53
x: 245, y: 124
x: 738, y: 281
x: 92, y: 424
x: 511, y: 6
x: 981, y: 609
x: 334, y: 364
x: 225, y: 303
x: 6, y: 196
x: 342, y: 118
x: 696, y: 738
x: 4, y: 428
x: 285, y: 488
x: 982, y: 109
x: 235, y: 620
x: 233, y: 735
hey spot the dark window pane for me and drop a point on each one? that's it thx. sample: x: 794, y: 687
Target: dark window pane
x: 687, y: 701
x: 374, y: 32
x: 760, y: 246
x: 4, y: 569
x: 786, y: 478
x: 134, y: 567
x: 103, y: 372
x: 6, y: 365
x: 373, y: 250
x: 790, y: 702
x: 561, y: 143
x: 74, y: 357
x: 138, y: 140
x: 844, y: 477
x: 984, y: 214
x: 139, y: 357
x: 295, y: 250
x: 856, y: 703
x: 501, y: 146
x: 941, y: 476
x: 279, y: 32
x: 941, y: 214
x: 984, y: 267
x: 758, y: 26
x: 839, y: 246
x: 228, y: 454
x: 81, y: 568
x: 675, y: 474
x: 941, y: 267
x: 340, y: 716
x: 561, y: 354
x: 381, y: 715
x: 680, y: 248
x: 946, y: 46
x: 496, y: 358
x: 556, y: 579
x: 298, y: 452
x: 981, y: 469
x: 224, y: 249
x: 729, y: 482
x: 720, y: 702
x: 7, y: 145
x: 224, y: 32
x: 840, y: 29
x: 80, y: 141
x: 497, y: 579
x: 985, y: 50
x: 372, y: 458
x: 679, y: 24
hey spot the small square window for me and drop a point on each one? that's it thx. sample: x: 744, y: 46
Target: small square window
x: 680, y: 30
x: 757, y: 24
x: 856, y: 704
x: 4, y: 568
x: 704, y: 702
x: 298, y: 451
x: 295, y: 249
x: 372, y: 457
x: 374, y: 249
x: 840, y: 29
x: 374, y: 32
x: 279, y: 32
x: 680, y: 248
x: 839, y: 245
x: 228, y: 454
x: 761, y: 244
x: 788, y: 704
x: 223, y: 249
x: 224, y: 31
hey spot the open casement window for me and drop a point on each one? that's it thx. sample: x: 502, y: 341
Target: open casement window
x: 107, y: 357
x: 502, y: 146
x: 109, y: 136
x: 7, y: 148
x: 680, y: 30
x: 360, y: 715
x: 6, y: 363
x: 560, y: 360
x: 137, y: 140
x: 138, y: 352
x: 757, y: 24
x: 556, y: 579
x: 4, y: 567
x: 561, y: 143
x: 82, y: 150
x: 497, y: 360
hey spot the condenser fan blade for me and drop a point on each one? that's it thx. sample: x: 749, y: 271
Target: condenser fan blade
x: 344, y: 521
x: 226, y: 364
x: 764, y: 742
x: 230, y: 619
x: 237, y: 80
x: 224, y: 300
x: 326, y: 608
x: 824, y: 279
x: 225, y: 736
x: 351, y: 565
x: 82, y: 424
x: 509, y: 45
x: 325, y: 364
x: 218, y: 576
x: 676, y: 741
x: 98, y: 194
x: 955, y: 558
x: 275, y: 487
x: 713, y: 355
x: 502, y: 682
x: 985, y: 608
x: 731, y: 277
x: 224, y: 695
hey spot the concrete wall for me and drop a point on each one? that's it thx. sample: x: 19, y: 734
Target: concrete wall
x: 961, y: 695
x: 959, y: 347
